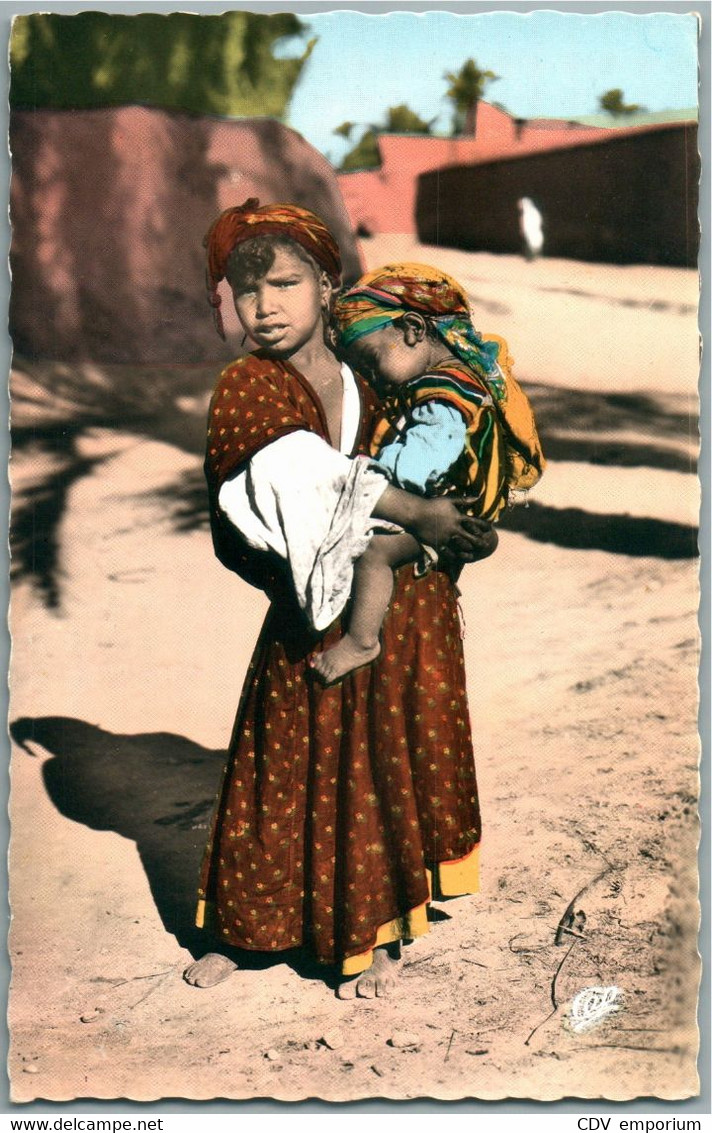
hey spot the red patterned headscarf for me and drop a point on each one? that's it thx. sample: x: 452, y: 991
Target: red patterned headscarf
x: 244, y: 222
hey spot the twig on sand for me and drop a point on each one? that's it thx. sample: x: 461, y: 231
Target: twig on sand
x: 625, y: 1046
x: 133, y: 979
x: 419, y: 960
x: 567, y: 920
x: 447, y: 1053
x: 555, y: 1005
x: 566, y: 926
x: 520, y: 951
x: 150, y: 991
x: 118, y: 982
x: 159, y: 976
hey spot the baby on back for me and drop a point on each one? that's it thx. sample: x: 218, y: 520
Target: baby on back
x: 455, y: 422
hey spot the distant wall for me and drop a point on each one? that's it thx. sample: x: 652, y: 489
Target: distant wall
x: 384, y: 199
x: 631, y: 199
x: 109, y: 209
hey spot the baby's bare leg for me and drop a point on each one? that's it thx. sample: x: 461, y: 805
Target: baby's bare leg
x: 373, y: 585
x: 372, y: 590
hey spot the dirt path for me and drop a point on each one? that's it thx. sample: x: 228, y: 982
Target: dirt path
x: 581, y: 658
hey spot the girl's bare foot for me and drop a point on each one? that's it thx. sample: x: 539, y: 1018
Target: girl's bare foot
x: 343, y: 658
x: 209, y: 970
x: 379, y: 980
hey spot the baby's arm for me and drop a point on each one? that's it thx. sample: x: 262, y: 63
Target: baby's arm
x: 426, y: 449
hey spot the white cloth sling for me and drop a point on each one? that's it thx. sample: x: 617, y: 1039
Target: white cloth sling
x: 311, y: 505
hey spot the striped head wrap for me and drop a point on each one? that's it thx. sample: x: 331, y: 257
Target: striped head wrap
x: 236, y: 225
x: 383, y: 296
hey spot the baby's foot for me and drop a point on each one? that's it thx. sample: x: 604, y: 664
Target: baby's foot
x: 378, y: 981
x: 343, y: 658
x: 209, y: 970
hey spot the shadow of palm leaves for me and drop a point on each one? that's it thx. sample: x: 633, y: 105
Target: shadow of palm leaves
x: 187, y: 502
x: 167, y: 403
x: 55, y: 405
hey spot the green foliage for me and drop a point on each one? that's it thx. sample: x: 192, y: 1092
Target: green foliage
x: 344, y: 130
x: 612, y: 102
x: 365, y: 154
x: 402, y: 120
x: 466, y: 89
x: 205, y: 64
x: 399, y: 120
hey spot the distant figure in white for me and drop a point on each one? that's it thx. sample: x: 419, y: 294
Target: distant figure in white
x: 530, y: 228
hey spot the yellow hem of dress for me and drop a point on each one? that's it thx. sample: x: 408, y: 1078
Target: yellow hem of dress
x: 414, y: 923
x: 454, y: 879
x: 461, y: 876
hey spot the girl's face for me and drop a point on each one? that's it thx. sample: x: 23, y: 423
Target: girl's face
x: 282, y: 311
x: 389, y: 356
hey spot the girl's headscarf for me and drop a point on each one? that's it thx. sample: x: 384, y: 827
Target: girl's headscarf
x: 384, y: 295
x: 244, y: 222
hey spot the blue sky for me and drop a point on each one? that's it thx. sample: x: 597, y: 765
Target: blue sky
x: 551, y: 63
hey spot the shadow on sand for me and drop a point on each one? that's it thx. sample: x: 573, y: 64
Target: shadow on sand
x: 120, y: 398
x: 156, y: 789
x: 657, y: 415
x: 613, y: 430
x: 618, y: 534
x: 34, y: 539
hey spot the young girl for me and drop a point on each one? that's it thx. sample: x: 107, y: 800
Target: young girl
x: 340, y: 806
x: 456, y: 422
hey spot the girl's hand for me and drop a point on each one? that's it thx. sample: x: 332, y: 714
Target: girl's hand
x: 441, y: 523
x: 444, y: 525
x: 485, y: 544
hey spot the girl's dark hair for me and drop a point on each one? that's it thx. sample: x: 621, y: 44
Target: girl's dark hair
x: 252, y: 259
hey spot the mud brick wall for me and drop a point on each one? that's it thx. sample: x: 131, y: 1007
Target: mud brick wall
x: 626, y: 200
x: 109, y: 209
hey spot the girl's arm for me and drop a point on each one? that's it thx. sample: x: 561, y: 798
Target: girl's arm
x: 440, y: 523
x: 312, y: 507
x: 316, y: 510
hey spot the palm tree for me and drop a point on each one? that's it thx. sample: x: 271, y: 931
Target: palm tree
x: 465, y: 91
x: 364, y: 155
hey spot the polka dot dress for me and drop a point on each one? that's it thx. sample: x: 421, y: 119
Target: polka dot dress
x: 336, y: 799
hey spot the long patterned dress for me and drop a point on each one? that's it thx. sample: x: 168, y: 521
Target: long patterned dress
x: 342, y: 809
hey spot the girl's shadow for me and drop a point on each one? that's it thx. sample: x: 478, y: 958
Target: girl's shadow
x: 157, y: 789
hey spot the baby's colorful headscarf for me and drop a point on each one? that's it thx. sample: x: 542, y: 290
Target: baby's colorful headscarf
x: 382, y: 296
x: 244, y: 222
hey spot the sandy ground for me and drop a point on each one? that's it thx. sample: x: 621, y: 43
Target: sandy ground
x: 581, y: 648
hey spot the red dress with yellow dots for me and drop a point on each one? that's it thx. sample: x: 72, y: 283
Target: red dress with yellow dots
x: 342, y: 809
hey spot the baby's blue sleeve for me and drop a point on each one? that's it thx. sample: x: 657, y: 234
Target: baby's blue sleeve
x: 427, y: 447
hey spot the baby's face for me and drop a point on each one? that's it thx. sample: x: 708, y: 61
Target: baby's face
x: 385, y: 359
